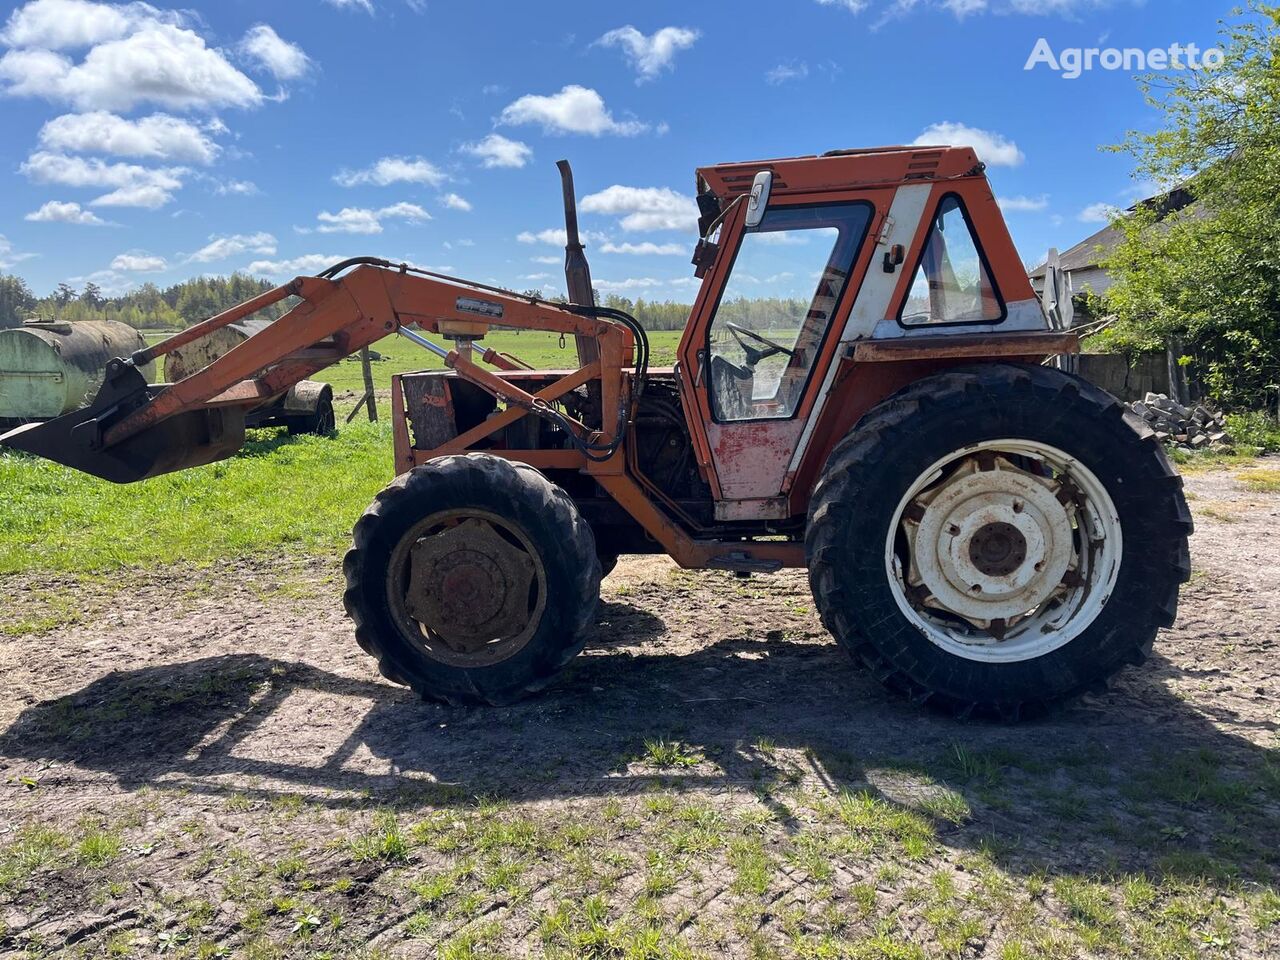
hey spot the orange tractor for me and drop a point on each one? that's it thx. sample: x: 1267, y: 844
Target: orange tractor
x: 861, y: 389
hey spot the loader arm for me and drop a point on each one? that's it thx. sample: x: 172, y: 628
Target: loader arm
x: 133, y: 430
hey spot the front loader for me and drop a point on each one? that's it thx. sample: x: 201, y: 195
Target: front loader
x: 860, y: 390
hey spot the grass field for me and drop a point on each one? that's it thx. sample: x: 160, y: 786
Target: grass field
x: 280, y: 493
x: 538, y: 349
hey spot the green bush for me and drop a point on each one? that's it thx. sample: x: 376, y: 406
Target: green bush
x: 1254, y: 428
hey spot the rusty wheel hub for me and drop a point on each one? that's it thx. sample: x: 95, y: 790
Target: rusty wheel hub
x: 473, y: 593
x: 998, y: 549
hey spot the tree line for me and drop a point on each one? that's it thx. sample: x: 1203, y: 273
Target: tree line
x: 149, y: 307
x: 757, y: 313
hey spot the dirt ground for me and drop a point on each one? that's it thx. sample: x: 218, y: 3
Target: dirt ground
x: 206, y: 765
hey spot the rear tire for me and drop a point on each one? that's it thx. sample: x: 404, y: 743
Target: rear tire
x: 881, y: 583
x: 459, y: 546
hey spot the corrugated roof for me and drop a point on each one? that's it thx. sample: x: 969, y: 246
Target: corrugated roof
x: 1086, y: 253
x: 1091, y: 251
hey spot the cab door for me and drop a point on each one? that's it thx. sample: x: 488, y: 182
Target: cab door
x: 764, y: 330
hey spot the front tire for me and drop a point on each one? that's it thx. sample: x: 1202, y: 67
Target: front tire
x: 472, y: 579
x: 996, y: 538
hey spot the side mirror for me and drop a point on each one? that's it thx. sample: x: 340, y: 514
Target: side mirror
x: 758, y: 199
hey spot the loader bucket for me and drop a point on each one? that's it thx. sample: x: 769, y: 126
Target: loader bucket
x: 187, y: 439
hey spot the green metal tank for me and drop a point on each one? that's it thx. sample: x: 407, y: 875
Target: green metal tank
x: 50, y: 367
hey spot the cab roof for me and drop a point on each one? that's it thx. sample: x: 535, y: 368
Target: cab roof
x: 843, y: 170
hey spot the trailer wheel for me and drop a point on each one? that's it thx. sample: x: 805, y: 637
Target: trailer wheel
x: 472, y: 579
x: 995, y: 538
x: 321, y: 422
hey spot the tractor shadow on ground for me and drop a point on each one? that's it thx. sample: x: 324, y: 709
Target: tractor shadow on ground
x: 1133, y: 779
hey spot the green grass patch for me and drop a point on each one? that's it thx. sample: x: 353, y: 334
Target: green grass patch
x: 1205, y: 461
x: 300, y: 494
x: 1260, y: 481
x: 98, y: 847
x: 669, y: 754
x: 35, y: 847
x: 385, y: 842
x: 1254, y: 429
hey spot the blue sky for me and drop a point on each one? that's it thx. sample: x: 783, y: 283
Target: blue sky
x: 156, y: 143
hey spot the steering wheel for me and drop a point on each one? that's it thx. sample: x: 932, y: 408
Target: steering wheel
x: 755, y: 355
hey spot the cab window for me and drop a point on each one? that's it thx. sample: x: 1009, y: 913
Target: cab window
x: 952, y: 283
x: 777, y: 306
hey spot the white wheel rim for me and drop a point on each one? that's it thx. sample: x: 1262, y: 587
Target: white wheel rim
x: 1004, y: 551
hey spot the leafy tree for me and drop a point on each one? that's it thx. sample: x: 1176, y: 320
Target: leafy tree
x: 64, y: 294
x: 16, y: 301
x: 91, y: 296
x: 1208, y: 276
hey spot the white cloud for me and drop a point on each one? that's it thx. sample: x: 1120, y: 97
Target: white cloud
x: 631, y: 283
x: 547, y: 260
x: 644, y: 208
x: 157, y: 137
x: 574, y: 109
x: 786, y: 71
x: 282, y: 59
x: 237, y: 188
x: 132, y: 185
x: 1021, y: 204
x: 139, y: 262
x: 963, y: 8
x: 645, y: 249
x: 853, y: 6
x: 367, y: 221
x: 148, y: 196
x: 534, y: 276
x: 8, y: 257
x: 389, y: 170
x: 67, y: 24
x: 305, y: 265
x: 992, y: 148
x: 495, y: 150
x: 365, y: 5
x: 156, y: 63
x: 58, y: 211
x: 219, y: 248
x: 46, y: 167
x: 1097, y: 213
x: 349, y: 220
x: 455, y: 202
x: 782, y: 238
x: 557, y: 237
x: 650, y: 55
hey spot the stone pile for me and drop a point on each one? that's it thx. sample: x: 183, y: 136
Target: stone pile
x: 1191, y: 428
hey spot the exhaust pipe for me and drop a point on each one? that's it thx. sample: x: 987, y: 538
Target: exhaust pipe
x: 577, y: 273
